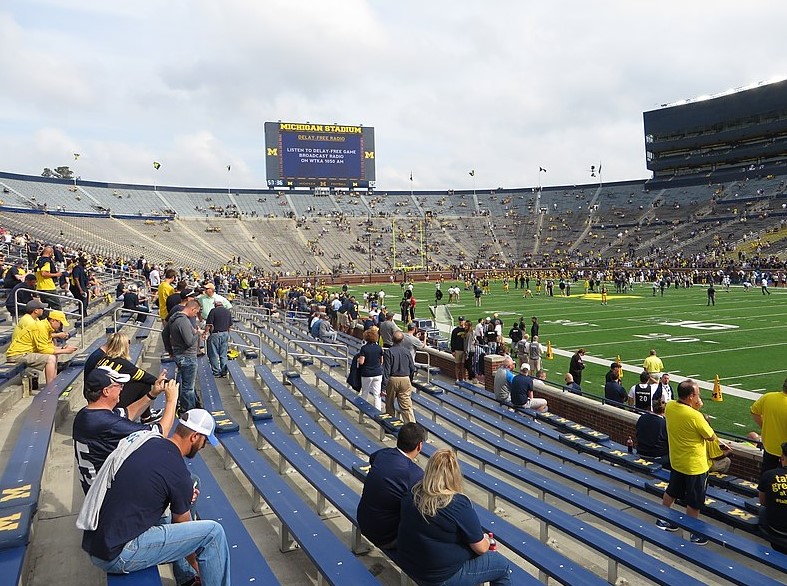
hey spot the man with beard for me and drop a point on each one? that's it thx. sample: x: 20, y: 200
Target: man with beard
x: 122, y: 521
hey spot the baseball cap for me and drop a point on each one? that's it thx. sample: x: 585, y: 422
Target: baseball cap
x: 614, y: 365
x: 209, y: 285
x: 525, y: 366
x: 200, y: 421
x: 103, y: 376
x: 59, y: 316
x: 30, y: 277
x: 34, y: 304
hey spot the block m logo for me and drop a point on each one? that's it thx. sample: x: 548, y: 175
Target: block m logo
x: 19, y: 492
x: 273, y: 151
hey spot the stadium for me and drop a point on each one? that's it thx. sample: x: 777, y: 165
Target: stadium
x: 567, y: 503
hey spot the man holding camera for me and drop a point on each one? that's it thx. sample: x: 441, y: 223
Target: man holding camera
x: 99, y: 427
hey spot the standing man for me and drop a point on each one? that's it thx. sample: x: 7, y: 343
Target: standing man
x: 653, y: 365
x: 533, y: 327
x: 398, y: 370
x: 210, y: 298
x: 577, y: 365
x: 387, y: 329
x: 45, y: 278
x: 78, y: 284
x: 181, y: 338
x: 773, y: 503
x: 534, y: 354
x: 411, y: 341
x: 165, y: 289
x: 218, y: 325
x: 392, y: 475
x: 663, y: 393
x: 687, y: 433
x: 101, y: 425
x: 770, y: 413
x: 711, y: 295
x: 457, y: 344
x: 122, y: 524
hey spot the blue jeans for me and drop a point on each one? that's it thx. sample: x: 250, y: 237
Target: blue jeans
x: 163, y: 544
x: 186, y: 377
x: 218, y: 344
x: 490, y: 567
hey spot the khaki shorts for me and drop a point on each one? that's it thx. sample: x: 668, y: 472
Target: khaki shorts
x: 459, y: 356
x: 32, y: 359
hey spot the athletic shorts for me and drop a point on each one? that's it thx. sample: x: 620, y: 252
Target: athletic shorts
x: 689, y: 488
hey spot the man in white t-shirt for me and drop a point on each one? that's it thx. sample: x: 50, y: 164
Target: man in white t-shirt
x: 154, y: 278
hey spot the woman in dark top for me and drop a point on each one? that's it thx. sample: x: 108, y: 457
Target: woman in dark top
x: 370, y: 367
x: 115, y: 355
x: 440, y: 540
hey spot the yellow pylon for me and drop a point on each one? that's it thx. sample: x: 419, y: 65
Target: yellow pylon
x: 550, y: 355
x: 621, y: 370
x: 717, y: 395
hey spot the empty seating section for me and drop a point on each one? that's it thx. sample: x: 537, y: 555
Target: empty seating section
x: 609, y: 220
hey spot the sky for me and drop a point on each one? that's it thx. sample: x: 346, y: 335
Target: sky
x: 499, y: 87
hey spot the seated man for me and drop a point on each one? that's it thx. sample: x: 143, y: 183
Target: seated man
x: 503, y: 377
x: 33, y: 344
x: 522, y: 391
x: 773, y: 509
x: 122, y: 524
x: 99, y: 427
x: 652, y: 435
x: 132, y: 301
x: 325, y: 332
x: 20, y: 295
x: 571, y: 386
x: 393, y: 473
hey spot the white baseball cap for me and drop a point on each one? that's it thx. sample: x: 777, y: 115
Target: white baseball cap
x: 200, y: 421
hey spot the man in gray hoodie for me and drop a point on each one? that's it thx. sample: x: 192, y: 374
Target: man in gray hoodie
x: 181, y: 339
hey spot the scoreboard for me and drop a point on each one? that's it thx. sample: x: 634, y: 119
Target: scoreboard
x: 319, y: 155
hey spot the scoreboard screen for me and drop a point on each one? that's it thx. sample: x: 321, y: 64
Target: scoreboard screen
x: 319, y: 155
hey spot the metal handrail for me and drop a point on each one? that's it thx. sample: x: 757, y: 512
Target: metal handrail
x: 140, y: 325
x: 79, y: 313
x: 338, y: 346
x: 428, y: 364
x: 257, y: 348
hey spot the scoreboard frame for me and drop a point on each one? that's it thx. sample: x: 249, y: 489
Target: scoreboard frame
x: 319, y: 155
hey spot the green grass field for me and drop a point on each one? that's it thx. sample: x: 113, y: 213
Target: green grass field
x: 742, y: 338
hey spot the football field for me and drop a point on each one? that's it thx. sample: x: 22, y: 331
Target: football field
x: 742, y: 339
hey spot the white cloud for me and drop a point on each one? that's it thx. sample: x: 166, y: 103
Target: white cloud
x: 497, y: 86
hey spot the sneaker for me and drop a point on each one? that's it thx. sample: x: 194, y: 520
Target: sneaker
x: 155, y: 415
x: 666, y: 525
x: 698, y: 539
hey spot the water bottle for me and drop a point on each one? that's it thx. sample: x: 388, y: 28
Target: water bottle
x: 25, y: 385
x: 34, y: 381
x: 630, y: 445
x: 492, y: 542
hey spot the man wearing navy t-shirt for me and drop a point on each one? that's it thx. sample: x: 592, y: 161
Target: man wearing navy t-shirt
x: 393, y: 473
x: 99, y: 427
x: 122, y: 521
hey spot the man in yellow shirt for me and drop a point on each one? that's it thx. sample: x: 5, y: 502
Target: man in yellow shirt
x: 687, y: 433
x: 165, y: 289
x: 33, y: 344
x: 653, y: 365
x: 770, y: 413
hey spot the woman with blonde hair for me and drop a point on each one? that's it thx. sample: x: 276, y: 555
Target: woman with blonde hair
x: 115, y: 353
x: 370, y: 367
x: 440, y: 540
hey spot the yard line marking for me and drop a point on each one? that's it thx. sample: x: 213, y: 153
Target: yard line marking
x: 738, y: 424
x: 758, y: 390
x: 724, y: 350
x: 726, y: 378
x: 734, y: 384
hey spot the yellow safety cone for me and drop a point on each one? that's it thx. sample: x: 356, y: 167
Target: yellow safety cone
x: 717, y: 395
x: 621, y: 370
x: 550, y: 355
